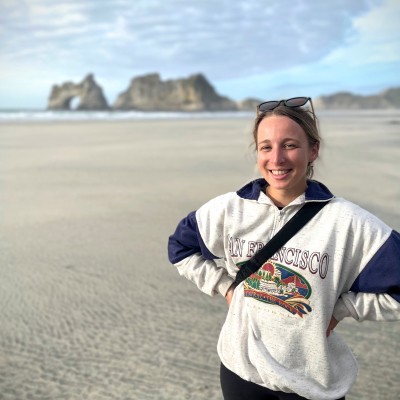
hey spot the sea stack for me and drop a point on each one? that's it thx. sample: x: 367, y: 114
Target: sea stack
x: 150, y: 93
x: 88, y: 91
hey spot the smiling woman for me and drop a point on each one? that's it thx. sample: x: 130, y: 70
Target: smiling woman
x: 284, y: 154
x: 287, y: 144
x: 278, y: 341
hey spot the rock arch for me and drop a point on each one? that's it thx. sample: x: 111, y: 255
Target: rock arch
x: 88, y: 91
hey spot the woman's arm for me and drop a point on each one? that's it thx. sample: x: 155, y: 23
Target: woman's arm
x: 367, y: 306
x: 192, y: 257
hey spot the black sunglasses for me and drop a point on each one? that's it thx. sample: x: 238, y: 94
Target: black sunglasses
x: 293, y: 102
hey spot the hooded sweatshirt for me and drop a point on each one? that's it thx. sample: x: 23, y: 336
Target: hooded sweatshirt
x: 345, y: 262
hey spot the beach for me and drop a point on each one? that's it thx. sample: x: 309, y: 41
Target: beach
x: 91, y: 307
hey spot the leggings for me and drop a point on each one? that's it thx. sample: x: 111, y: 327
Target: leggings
x: 235, y: 388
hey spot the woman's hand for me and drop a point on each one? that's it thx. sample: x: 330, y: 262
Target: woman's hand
x: 229, y: 293
x: 332, y: 326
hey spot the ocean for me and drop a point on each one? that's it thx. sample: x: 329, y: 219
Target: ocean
x: 28, y: 116
x: 7, y: 116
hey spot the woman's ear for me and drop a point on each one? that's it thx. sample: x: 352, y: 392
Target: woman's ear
x: 314, y: 152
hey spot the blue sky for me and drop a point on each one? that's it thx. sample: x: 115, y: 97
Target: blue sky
x: 246, y: 49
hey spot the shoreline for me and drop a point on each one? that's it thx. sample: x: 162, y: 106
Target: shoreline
x: 23, y: 117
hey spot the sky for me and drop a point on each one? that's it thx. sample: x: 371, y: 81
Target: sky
x: 245, y: 48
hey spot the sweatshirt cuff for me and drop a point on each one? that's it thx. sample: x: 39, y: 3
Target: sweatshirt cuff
x: 341, y: 311
x: 224, y: 284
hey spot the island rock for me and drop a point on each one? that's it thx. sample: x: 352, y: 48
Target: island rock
x: 150, y: 93
x: 88, y: 91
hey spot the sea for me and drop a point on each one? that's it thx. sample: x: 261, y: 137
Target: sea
x: 7, y: 116
x: 43, y: 116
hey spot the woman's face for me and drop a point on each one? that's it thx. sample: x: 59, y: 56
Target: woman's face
x: 283, y: 154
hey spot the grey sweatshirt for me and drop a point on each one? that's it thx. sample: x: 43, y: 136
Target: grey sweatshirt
x: 345, y: 262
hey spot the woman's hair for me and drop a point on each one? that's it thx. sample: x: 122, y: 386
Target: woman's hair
x: 305, y: 118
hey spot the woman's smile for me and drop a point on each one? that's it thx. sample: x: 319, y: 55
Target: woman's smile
x: 279, y: 172
x: 283, y: 155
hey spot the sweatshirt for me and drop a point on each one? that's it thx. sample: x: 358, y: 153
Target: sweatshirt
x: 345, y: 262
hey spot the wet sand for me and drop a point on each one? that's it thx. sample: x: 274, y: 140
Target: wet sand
x: 90, y: 306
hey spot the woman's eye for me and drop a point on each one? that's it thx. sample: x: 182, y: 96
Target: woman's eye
x: 290, y: 146
x: 265, y: 148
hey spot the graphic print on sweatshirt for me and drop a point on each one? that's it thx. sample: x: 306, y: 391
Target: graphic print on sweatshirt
x: 277, y: 284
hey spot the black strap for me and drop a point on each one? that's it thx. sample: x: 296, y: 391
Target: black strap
x: 286, y: 232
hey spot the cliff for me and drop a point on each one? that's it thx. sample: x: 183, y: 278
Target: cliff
x: 389, y: 99
x: 89, y: 92
x: 150, y: 93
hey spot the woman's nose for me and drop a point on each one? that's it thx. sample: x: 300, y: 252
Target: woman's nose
x: 277, y: 156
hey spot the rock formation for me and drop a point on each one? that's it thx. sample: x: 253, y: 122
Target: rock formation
x: 249, y: 104
x: 149, y: 93
x: 348, y: 101
x: 195, y: 93
x: 89, y: 92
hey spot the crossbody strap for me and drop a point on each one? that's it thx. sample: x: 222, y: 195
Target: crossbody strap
x: 285, y: 233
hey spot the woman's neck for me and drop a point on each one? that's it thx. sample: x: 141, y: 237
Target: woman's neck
x: 281, y: 198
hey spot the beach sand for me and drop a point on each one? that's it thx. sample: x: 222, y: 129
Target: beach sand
x: 91, y: 307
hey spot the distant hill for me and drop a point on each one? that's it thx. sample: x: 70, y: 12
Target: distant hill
x: 388, y: 99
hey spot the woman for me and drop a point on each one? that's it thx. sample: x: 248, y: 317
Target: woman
x: 278, y: 341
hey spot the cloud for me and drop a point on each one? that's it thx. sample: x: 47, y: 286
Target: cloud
x: 220, y: 38
x: 244, y: 47
x: 377, y: 39
x: 366, y: 62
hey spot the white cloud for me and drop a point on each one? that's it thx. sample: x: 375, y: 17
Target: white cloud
x: 367, y: 62
x: 120, y: 30
x: 227, y: 41
x: 60, y: 32
x: 237, y: 37
x: 376, y: 39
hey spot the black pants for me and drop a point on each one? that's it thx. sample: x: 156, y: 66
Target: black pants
x: 236, y: 388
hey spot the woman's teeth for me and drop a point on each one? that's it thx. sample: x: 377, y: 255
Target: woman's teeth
x: 279, y: 172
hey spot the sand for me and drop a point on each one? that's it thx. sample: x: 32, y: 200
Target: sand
x: 91, y: 307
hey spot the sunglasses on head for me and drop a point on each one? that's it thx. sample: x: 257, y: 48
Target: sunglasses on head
x: 293, y: 102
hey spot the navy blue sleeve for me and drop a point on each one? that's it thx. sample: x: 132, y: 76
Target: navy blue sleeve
x: 186, y: 241
x: 382, y: 273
